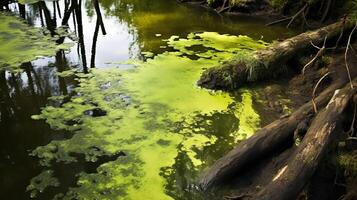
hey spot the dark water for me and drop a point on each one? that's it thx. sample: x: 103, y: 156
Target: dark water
x: 108, y: 31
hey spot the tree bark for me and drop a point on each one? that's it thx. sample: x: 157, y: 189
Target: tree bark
x: 268, y: 62
x: 264, y: 142
x: 292, y: 177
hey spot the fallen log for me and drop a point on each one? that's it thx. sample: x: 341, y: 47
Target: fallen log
x: 291, y: 178
x: 267, y: 62
x: 264, y: 142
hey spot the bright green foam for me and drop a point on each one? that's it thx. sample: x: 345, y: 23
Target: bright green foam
x: 157, y: 116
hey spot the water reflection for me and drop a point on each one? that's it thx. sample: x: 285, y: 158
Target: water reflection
x: 22, y: 95
x: 135, y: 26
x: 105, y: 31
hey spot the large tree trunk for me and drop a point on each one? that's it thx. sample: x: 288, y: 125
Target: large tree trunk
x: 268, y: 62
x: 291, y: 178
x: 263, y: 143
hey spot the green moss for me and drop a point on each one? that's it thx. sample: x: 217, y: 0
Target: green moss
x: 279, y: 3
x: 352, y: 5
x: 157, y: 116
x: 21, y: 43
x: 348, y: 161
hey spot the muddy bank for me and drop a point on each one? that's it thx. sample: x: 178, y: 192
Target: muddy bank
x: 262, y: 179
x: 257, y: 175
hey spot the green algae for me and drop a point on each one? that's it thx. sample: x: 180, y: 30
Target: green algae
x: 216, y: 42
x: 166, y: 126
x: 32, y: 1
x: 41, y: 182
x: 248, y: 118
x: 164, y: 17
x: 22, y: 43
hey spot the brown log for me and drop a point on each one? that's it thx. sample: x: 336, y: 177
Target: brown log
x: 292, y: 177
x: 267, y: 62
x: 263, y: 143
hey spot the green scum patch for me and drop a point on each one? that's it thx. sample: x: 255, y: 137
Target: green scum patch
x: 162, y: 127
x: 21, y: 43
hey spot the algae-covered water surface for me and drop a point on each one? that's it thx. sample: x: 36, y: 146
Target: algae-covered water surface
x: 99, y: 98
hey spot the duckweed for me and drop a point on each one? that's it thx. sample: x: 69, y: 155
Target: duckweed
x: 168, y: 128
x: 22, y: 43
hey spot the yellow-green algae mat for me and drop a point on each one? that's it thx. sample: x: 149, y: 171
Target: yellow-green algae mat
x: 20, y: 43
x: 162, y: 127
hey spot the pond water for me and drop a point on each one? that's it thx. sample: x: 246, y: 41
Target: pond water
x: 112, y: 110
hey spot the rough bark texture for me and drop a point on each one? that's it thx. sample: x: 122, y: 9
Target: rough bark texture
x: 292, y: 177
x: 267, y: 62
x: 263, y: 143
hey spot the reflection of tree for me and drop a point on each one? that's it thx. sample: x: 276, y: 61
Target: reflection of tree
x: 38, y: 83
x: 50, y: 22
x: 72, y: 9
x: 4, y: 4
x: 133, y: 13
x: 22, y: 95
x: 6, y: 105
x: 22, y: 10
x: 78, y: 12
x: 181, y: 176
x: 95, y: 36
x: 62, y: 64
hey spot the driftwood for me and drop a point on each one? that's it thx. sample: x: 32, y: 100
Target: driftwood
x: 264, y: 142
x: 267, y: 62
x: 291, y: 178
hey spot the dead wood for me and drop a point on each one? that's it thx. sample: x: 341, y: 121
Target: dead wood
x: 264, y: 142
x: 291, y: 178
x: 268, y: 62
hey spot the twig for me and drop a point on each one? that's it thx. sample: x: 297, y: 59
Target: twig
x: 315, y: 88
x: 278, y: 21
x: 339, y: 38
x: 351, y: 132
x: 352, y: 129
x: 296, y: 15
x: 241, y: 196
x: 321, y: 6
x: 223, y: 6
x: 342, y: 31
x: 224, y: 9
x: 305, y: 20
x: 318, y: 54
x: 314, y: 45
x: 346, y: 53
x: 291, y: 18
x: 327, y: 10
x: 354, y: 51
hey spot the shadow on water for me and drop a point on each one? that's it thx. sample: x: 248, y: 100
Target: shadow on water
x: 120, y: 30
